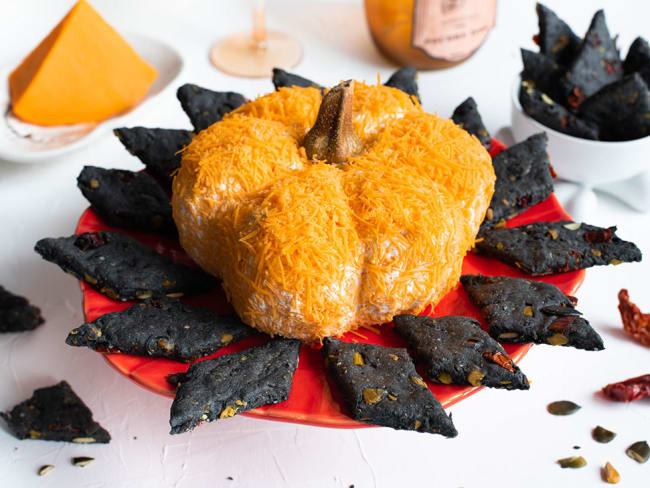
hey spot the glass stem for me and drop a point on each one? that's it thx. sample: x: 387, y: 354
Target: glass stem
x: 259, y: 24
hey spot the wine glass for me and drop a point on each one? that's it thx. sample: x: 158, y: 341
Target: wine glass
x: 254, y: 54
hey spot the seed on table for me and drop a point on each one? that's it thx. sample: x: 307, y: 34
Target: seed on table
x: 602, y: 435
x: 562, y: 407
x: 639, y: 451
x: 572, y: 462
x: 82, y: 461
x: 610, y: 475
x: 45, y: 469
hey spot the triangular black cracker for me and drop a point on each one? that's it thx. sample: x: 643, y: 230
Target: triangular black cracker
x: 16, y: 314
x: 381, y: 387
x: 405, y: 79
x: 523, y: 179
x: 205, y: 107
x: 121, y: 267
x: 638, y: 59
x: 543, y: 71
x: 555, y: 38
x: 520, y: 310
x: 467, y: 116
x: 545, y: 248
x: 282, y: 78
x: 545, y: 110
x: 454, y: 349
x: 621, y: 109
x: 55, y: 413
x: 230, y: 384
x: 127, y: 199
x: 161, y: 327
x: 158, y: 149
x: 596, y: 64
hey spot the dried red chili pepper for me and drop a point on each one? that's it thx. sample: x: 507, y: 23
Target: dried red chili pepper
x: 561, y: 323
x: 552, y: 169
x: 500, y: 359
x: 629, y: 390
x: 600, y: 235
x: 635, y: 323
x: 573, y: 300
x: 576, y: 97
x: 536, y: 39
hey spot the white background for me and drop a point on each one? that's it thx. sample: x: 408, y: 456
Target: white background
x: 506, y: 438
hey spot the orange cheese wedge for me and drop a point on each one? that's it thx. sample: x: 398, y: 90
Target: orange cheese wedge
x: 83, y: 71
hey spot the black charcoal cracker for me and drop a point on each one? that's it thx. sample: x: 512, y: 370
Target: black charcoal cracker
x: 545, y: 248
x: 523, y: 179
x: 555, y: 38
x: 467, y: 116
x: 158, y: 149
x: 55, y: 413
x: 405, y: 79
x: 548, y: 112
x: 233, y: 383
x: 519, y: 310
x: 122, y: 268
x: 596, y: 64
x: 282, y: 78
x: 161, y: 327
x: 622, y: 109
x: 638, y: 59
x: 381, y: 387
x: 205, y: 107
x: 127, y: 199
x: 16, y: 313
x: 455, y: 350
x: 544, y: 72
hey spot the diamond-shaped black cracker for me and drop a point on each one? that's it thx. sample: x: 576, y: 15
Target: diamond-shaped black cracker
x: 127, y: 199
x: 638, y: 59
x: 543, y: 71
x: 523, y: 179
x: 555, y: 38
x: 545, y: 248
x: 233, y: 383
x: 405, y: 79
x: 121, y: 267
x: 519, y: 310
x: 282, y: 78
x: 545, y: 110
x: 205, y: 107
x: 455, y: 350
x: 467, y: 116
x: 158, y: 149
x: 161, y: 327
x: 55, y: 413
x: 381, y: 387
x: 596, y: 64
x: 16, y: 314
x: 622, y: 109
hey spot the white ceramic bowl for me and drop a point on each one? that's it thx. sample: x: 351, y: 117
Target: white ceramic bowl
x: 582, y: 160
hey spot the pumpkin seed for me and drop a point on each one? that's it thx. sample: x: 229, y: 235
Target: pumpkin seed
x: 418, y: 381
x: 227, y: 412
x: 225, y: 338
x: 572, y: 226
x: 562, y: 407
x: 358, y: 359
x: 572, y: 462
x: 508, y: 335
x: 558, y: 339
x: 615, y: 262
x: 45, y: 469
x: 84, y: 440
x: 639, y: 451
x: 444, y: 378
x: 610, y: 475
x: 82, y: 461
x: 528, y: 310
x: 602, y: 435
x: 553, y: 233
x: 370, y: 395
x: 475, y: 378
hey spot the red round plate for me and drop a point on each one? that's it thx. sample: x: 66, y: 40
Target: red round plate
x: 313, y: 400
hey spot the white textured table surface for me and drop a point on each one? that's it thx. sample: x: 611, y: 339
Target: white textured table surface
x: 506, y: 438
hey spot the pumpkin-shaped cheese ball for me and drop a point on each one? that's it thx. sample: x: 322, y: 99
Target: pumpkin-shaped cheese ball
x: 323, y: 214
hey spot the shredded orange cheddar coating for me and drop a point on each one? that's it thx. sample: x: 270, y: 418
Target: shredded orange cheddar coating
x: 307, y: 249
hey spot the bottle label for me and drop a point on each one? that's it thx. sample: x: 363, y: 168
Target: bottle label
x: 451, y: 29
